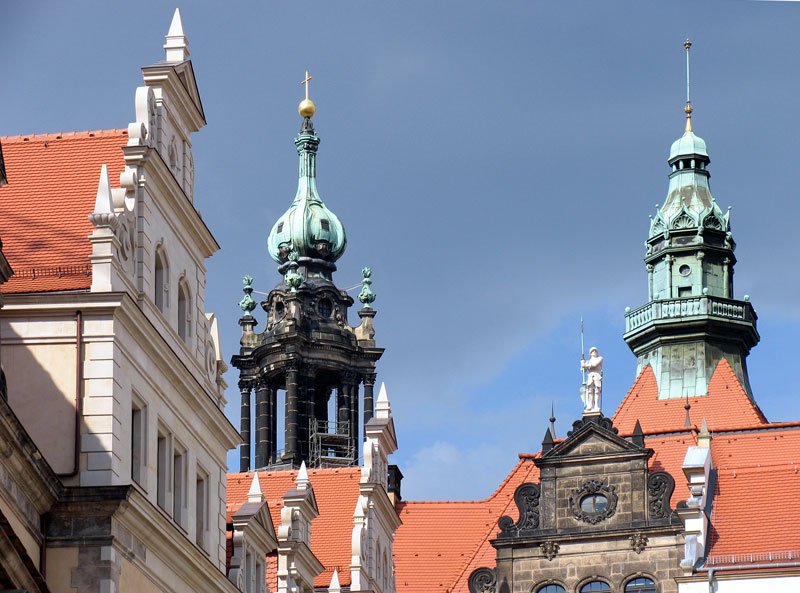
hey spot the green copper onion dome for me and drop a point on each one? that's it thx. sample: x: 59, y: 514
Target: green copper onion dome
x: 308, y: 226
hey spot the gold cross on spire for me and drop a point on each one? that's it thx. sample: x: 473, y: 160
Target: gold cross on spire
x: 305, y: 81
x: 307, y: 107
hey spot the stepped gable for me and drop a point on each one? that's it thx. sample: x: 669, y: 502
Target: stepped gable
x: 757, y: 476
x: 45, y: 208
x: 336, y: 492
x: 726, y: 406
x: 440, y: 543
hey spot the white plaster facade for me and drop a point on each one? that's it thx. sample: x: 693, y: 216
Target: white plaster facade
x: 144, y: 371
x: 375, y: 519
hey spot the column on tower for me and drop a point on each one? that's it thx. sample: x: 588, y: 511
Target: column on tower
x: 273, y: 424
x: 306, y: 412
x: 292, y: 414
x: 262, y: 422
x: 369, y: 399
x: 244, y: 450
x: 354, y: 388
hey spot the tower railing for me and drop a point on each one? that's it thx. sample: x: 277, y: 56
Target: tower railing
x: 331, y: 445
x: 679, y: 308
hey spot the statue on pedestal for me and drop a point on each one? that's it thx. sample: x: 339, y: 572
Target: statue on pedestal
x: 593, y: 388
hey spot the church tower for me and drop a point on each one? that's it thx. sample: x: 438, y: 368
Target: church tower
x: 692, y: 320
x: 308, y: 355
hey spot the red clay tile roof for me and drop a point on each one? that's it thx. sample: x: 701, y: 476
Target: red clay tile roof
x: 336, y: 491
x: 440, y: 543
x: 44, y: 209
x: 726, y: 405
x: 758, y: 482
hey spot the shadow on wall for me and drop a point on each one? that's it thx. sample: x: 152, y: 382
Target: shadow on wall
x: 41, y: 379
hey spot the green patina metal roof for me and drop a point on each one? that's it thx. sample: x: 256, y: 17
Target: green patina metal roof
x: 688, y: 144
x: 308, y: 227
x: 689, y: 202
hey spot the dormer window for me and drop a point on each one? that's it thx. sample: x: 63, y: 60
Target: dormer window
x: 325, y: 225
x: 280, y: 227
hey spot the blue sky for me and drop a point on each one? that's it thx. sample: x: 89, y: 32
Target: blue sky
x: 494, y: 163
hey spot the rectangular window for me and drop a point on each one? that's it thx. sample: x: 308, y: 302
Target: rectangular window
x: 179, y: 487
x: 138, y: 443
x: 261, y: 577
x: 201, y: 508
x: 162, y: 470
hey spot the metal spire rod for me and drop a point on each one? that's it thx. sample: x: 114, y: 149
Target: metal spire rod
x: 687, y: 45
x: 688, y: 107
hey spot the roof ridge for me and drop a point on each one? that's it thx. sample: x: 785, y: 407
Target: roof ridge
x: 492, y: 526
x: 62, y: 135
x: 750, y: 400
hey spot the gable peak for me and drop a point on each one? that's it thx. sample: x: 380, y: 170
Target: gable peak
x: 255, y: 494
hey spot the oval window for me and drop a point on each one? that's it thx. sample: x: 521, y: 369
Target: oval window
x: 279, y: 310
x: 684, y: 270
x: 594, y: 503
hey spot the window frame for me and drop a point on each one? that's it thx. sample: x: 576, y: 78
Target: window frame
x: 139, y: 441
x: 161, y: 279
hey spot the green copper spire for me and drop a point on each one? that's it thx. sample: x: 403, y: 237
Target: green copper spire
x: 308, y: 226
x: 692, y: 320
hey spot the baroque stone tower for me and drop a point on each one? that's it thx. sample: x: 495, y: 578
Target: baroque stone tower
x: 308, y: 352
x: 692, y: 319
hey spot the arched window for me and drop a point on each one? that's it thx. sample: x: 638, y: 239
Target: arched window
x: 640, y: 585
x: 161, y: 294
x: 184, y: 311
x: 594, y: 586
x: 551, y: 588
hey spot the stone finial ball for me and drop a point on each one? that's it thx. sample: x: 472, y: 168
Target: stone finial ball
x: 307, y: 108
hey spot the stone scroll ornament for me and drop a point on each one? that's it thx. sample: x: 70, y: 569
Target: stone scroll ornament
x: 526, y: 498
x: 482, y: 580
x: 660, y: 486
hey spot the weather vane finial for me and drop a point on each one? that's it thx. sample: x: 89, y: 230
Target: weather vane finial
x: 307, y: 107
x: 688, y: 107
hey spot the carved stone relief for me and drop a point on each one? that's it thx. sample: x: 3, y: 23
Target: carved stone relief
x: 549, y: 549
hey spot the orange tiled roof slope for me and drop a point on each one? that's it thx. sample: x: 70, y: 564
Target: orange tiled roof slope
x: 336, y: 491
x: 726, y: 405
x: 440, y: 543
x: 44, y: 208
x: 757, y: 483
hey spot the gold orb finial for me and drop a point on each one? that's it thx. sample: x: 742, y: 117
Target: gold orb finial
x: 687, y: 44
x: 306, y: 108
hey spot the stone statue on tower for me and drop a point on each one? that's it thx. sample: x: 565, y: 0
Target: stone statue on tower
x: 594, y: 381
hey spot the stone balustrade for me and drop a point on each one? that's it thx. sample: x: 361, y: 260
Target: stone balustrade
x: 688, y: 307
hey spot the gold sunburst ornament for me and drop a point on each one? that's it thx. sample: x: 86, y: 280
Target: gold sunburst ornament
x: 306, y: 108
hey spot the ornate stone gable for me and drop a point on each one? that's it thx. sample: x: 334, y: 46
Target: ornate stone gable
x: 597, y: 513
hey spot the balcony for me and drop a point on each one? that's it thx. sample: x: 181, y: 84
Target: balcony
x: 703, y: 306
